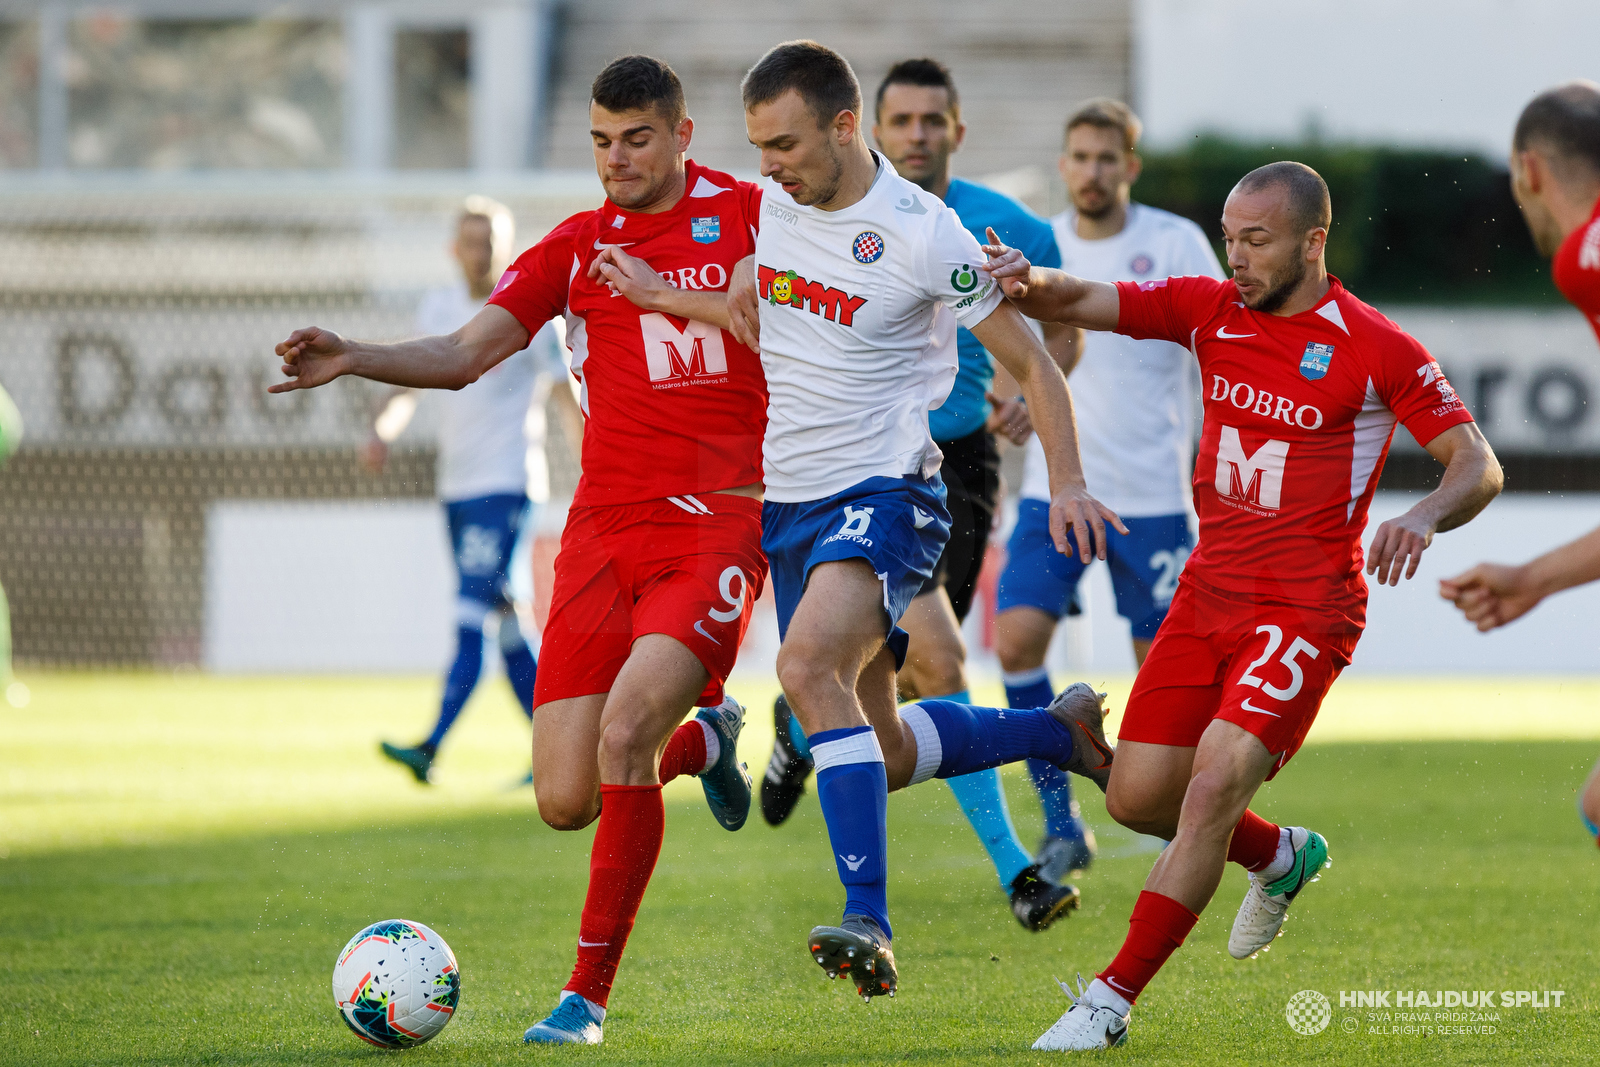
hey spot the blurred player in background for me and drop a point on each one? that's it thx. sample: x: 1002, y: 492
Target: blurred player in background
x: 1304, y: 385
x: 1135, y: 400
x: 860, y: 280
x: 917, y: 128
x: 661, y: 556
x: 492, y: 475
x: 1555, y: 176
x: 15, y: 692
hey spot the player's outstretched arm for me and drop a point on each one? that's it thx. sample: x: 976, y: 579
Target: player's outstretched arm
x: 1493, y: 594
x: 1050, y: 295
x: 645, y: 289
x: 1471, y: 479
x: 314, y: 356
x: 1007, y: 337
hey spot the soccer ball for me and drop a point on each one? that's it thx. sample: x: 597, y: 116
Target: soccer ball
x: 396, y: 984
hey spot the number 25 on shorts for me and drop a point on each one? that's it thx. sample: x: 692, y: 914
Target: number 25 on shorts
x: 1298, y: 647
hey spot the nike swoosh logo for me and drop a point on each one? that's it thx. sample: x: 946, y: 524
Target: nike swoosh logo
x: 700, y: 628
x: 1247, y: 706
x: 591, y: 944
x: 1222, y: 332
x: 623, y: 244
x: 1113, y: 983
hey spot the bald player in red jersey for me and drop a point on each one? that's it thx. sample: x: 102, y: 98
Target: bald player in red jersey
x: 1303, y: 387
x: 1555, y: 176
x: 661, y: 556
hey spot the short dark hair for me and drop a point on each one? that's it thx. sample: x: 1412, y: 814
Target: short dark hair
x: 1107, y: 114
x: 1309, y: 203
x: 1565, y: 121
x: 925, y: 72
x: 820, y: 75
x: 640, y: 83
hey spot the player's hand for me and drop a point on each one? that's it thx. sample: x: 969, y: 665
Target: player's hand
x: 1007, y: 265
x: 1398, y: 541
x: 1074, y: 511
x: 311, y: 357
x: 744, y: 304
x: 1009, y: 417
x: 373, y: 455
x: 1492, y: 594
x: 631, y: 277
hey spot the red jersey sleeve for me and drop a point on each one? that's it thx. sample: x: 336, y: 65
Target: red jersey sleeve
x: 1409, y: 382
x: 1167, y: 309
x: 534, y: 288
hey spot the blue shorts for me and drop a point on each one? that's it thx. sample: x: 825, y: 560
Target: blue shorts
x: 899, y: 526
x: 1145, y: 564
x: 483, y: 536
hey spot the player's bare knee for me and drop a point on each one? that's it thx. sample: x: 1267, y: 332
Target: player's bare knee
x: 804, y: 672
x: 568, y: 812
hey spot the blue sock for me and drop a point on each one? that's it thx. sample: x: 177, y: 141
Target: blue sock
x: 968, y: 738
x: 1031, y: 689
x: 854, y: 792
x: 459, y: 683
x: 521, y: 668
x: 984, y: 804
x: 797, y: 734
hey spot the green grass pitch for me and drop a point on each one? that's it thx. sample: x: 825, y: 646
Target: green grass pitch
x: 181, y: 858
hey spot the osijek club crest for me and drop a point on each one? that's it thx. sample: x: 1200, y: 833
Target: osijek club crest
x: 1315, y: 361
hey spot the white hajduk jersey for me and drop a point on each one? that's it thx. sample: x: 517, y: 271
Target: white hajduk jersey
x: 859, y: 309
x: 1133, y: 400
x: 491, y: 433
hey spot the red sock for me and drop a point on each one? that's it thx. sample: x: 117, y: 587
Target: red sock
x: 686, y: 752
x: 1158, y: 926
x: 1255, y: 842
x: 626, y: 845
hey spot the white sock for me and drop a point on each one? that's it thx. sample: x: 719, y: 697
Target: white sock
x: 1101, y: 995
x: 714, y: 745
x: 1282, y: 861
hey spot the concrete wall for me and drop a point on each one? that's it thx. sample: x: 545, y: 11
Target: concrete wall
x: 306, y: 587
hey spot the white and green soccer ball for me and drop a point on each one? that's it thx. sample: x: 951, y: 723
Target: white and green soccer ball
x: 396, y: 984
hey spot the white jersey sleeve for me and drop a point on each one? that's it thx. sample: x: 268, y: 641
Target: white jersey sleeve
x: 951, y: 270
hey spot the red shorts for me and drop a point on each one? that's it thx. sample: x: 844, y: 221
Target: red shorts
x: 657, y: 567
x: 1264, y: 667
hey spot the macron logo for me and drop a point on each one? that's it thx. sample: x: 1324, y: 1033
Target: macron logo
x: 920, y: 517
x: 853, y: 862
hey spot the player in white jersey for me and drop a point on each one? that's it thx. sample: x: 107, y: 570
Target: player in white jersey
x: 861, y: 278
x: 1134, y: 432
x: 492, y: 476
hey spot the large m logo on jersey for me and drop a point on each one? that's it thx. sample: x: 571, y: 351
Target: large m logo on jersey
x: 1256, y: 479
x: 670, y: 354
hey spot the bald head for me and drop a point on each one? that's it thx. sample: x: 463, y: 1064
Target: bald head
x: 1563, y: 125
x: 1308, y: 204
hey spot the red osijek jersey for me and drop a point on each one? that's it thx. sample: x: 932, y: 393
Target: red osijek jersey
x: 1299, y: 412
x: 674, y: 406
x: 1576, y: 270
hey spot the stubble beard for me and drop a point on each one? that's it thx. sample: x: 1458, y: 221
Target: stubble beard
x: 821, y: 193
x: 1282, y: 288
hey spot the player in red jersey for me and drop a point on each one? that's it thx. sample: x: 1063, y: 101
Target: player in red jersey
x: 1303, y: 386
x: 1555, y: 176
x: 661, y: 557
